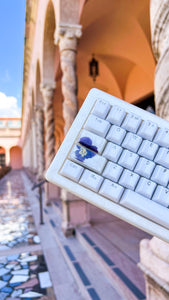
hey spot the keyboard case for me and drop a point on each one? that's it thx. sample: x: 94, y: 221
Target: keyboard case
x: 53, y: 173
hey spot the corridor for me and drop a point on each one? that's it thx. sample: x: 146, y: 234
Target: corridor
x: 23, y: 270
x: 39, y: 262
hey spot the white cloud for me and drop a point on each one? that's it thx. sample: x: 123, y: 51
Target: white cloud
x: 9, y: 107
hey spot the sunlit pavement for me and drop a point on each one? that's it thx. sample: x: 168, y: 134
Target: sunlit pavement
x: 38, y: 262
x: 23, y: 271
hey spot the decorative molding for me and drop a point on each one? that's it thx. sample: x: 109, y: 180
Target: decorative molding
x: 159, y: 282
x: 66, y: 36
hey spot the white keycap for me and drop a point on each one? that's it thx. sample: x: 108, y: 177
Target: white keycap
x: 116, y: 134
x: 97, y: 125
x: 71, y: 170
x: 162, y: 157
x: 161, y: 196
x: 146, y: 207
x: 131, y: 122
x: 112, y: 152
x: 144, y: 167
x: 128, y: 159
x: 148, y: 149
x: 129, y: 179
x: 112, y: 171
x: 132, y: 142
x: 147, y: 130
x: 92, y: 140
x: 111, y: 190
x: 91, y: 180
x: 162, y: 137
x: 88, y: 158
x: 160, y: 175
x: 101, y: 108
x: 116, y: 115
x: 145, y: 187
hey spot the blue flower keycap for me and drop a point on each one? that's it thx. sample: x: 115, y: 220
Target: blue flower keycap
x: 87, y: 142
x: 87, y: 158
x: 83, y: 153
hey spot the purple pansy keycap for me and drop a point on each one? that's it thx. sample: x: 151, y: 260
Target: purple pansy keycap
x: 87, y: 142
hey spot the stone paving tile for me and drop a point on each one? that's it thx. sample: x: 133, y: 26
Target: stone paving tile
x: 25, y: 275
x: 16, y: 222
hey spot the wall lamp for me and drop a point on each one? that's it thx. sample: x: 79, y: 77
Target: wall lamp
x: 93, y: 68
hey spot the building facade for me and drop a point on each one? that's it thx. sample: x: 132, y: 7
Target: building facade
x: 61, y: 39
x: 10, y: 149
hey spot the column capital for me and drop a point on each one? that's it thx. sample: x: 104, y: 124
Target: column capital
x: 38, y: 107
x: 66, y: 36
x: 48, y: 86
x: 154, y: 259
x: 47, y: 89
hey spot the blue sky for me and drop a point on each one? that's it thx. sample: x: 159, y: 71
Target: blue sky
x: 12, y: 27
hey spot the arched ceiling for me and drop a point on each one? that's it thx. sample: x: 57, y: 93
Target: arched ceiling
x: 38, y: 95
x: 118, y: 33
x: 48, y: 46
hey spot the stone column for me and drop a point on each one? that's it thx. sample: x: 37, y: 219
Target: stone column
x: 34, y: 149
x: 66, y: 37
x: 154, y: 253
x: 159, y: 13
x: 47, y: 93
x: 47, y: 90
x: 40, y: 141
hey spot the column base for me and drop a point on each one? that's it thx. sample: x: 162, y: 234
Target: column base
x: 52, y: 192
x: 67, y: 229
x: 156, y: 289
x: 155, y: 269
x: 74, y: 213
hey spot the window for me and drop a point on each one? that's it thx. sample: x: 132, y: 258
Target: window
x: 14, y: 124
x: 2, y: 124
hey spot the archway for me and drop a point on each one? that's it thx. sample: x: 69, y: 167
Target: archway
x: 2, y: 156
x: 49, y: 47
x: 16, y: 157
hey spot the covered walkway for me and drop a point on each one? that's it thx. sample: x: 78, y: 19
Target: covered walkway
x: 38, y: 261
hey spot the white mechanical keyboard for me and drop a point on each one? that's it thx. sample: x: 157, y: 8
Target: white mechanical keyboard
x: 116, y: 156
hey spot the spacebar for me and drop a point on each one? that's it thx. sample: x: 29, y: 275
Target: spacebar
x: 146, y: 207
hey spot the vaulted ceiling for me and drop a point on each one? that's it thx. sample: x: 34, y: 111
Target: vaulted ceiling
x: 118, y: 34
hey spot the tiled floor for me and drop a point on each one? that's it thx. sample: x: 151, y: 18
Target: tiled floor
x: 16, y: 223
x: 23, y: 271
x: 25, y: 275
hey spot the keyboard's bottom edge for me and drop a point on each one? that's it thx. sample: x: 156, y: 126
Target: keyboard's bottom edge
x: 111, y: 207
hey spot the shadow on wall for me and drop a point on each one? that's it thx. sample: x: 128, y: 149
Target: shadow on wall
x: 16, y: 157
x: 4, y: 171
